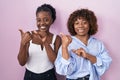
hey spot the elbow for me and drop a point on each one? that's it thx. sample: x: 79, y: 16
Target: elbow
x: 52, y: 61
x: 21, y: 62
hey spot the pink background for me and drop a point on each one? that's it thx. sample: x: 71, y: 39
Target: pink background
x: 15, y: 14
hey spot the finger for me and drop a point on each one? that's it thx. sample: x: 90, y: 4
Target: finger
x: 76, y: 52
x: 28, y: 32
x: 69, y: 37
x: 35, y: 32
x: 61, y: 34
x: 82, y: 49
x: 73, y: 50
x: 21, y: 31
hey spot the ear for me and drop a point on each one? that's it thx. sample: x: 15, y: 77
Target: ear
x: 51, y: 21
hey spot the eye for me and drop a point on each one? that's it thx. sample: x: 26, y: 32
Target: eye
x: 85, y: 22
x: 46, y: 19
x: 38, y: 20
x: 76, y: 23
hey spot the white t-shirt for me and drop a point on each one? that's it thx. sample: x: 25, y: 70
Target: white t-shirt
x: 38, y: 61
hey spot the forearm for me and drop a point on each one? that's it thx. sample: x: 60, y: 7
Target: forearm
x: 91, y: 58
x: 63, y: 66
x: 65, y: 53
x: 23, y: 54
x: 50, y: 52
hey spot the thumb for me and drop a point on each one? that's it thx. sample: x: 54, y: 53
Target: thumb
x: 21, y: 31
x: 34, y: 32
x: 73, y: 50
x: 61, y: 34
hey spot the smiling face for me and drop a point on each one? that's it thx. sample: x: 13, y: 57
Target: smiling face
x: 44, y: 20
x: 81, y: 27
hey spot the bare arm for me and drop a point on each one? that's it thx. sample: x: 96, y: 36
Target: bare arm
x: 91, y: 58
x: 24, y: 45
x: 82, y: 52
x: 66, y: 40
x: 52, y: 53
x: 23, y: 54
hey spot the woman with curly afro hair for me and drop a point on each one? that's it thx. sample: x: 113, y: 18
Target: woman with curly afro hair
x: 81, y: 56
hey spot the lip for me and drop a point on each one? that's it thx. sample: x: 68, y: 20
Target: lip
x: 43, y: 28
x: 81, y: 30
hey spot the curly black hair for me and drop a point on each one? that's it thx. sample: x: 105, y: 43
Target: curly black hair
x: 48, y: 8
x: 87, y: 15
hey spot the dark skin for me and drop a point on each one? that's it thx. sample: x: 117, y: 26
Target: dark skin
x: 42, y: 37
x: 24, y: 45
x: 81, y: 27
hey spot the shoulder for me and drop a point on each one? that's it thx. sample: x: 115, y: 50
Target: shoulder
x: 96, y: 41
x: 57, y: 39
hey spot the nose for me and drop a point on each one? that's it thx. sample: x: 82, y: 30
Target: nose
x: 42, y: 23
x: 80, y: 24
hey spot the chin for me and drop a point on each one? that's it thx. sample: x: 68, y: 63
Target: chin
x: 82, y: 34
x: 43, y: 30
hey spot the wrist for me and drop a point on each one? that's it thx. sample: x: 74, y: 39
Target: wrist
x: 64, y: 46
x: 45, y: 43
x: 23, y: 44
x: 87, y: 56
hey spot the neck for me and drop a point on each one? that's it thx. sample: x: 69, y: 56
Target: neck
x: 44, y: 33
x: 83, y: 39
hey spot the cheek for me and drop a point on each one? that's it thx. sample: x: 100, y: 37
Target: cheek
x: 87, y: 27
x: 75, y: 29
x: 48, y: 24
x: 37, y: 23
x: 75, y: 26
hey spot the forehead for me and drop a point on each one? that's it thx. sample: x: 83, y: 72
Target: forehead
x: 43, y: 14
x: 80, y: 19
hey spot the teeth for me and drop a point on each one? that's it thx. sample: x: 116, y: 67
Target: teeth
x: 42, y: 27
x: 80, y: 30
